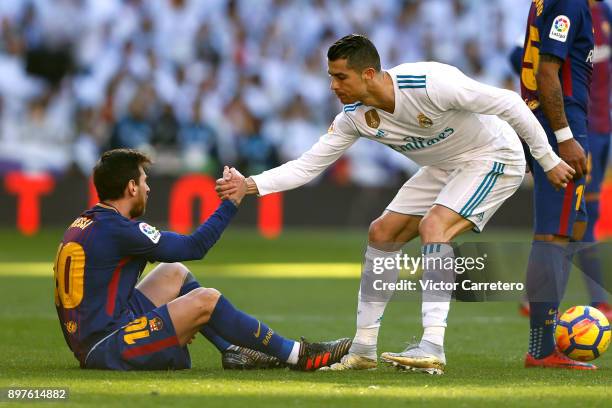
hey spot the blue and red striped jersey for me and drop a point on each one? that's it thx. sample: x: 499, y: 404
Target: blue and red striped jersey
x: 100, y: 259
x: 599, y: 107
x: 564, y: 29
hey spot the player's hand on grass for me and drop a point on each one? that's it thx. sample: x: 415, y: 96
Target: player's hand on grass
x: 560, y: 175
x: 231, y: 186
x: 573, y: 154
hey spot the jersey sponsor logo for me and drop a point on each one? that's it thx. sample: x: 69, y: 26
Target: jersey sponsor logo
x: 71, y: 326
x: 560, y: 28
x: 380, y: 134
x: 601, y: 54
x: 418, y: 143
x: 150, y: 231
x: 156, y: 324
x: 372, y: 118
x: 424, y: 121
x: 589, y: 58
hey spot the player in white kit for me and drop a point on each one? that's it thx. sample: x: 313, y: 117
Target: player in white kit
x: 463, y: 134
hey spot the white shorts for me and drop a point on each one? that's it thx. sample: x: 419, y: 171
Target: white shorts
x: 475, y: 191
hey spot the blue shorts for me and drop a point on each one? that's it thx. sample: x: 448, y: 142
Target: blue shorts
x: 599, y: 145
x: 149, y: 342
x: 556, y: 211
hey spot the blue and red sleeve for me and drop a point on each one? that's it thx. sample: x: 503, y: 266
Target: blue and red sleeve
x: 142, y: 239
x: 558, y: 27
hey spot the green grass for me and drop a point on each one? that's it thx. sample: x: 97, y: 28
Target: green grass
x: 302, y: 284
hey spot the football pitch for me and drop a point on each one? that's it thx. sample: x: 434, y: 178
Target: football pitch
x: 302, y: 284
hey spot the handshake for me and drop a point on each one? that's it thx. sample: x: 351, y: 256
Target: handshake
x: 232, y: 186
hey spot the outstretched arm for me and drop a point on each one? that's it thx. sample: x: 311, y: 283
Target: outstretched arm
x: 300, y: 171
x: 167, y: 246
x: 451, y: 89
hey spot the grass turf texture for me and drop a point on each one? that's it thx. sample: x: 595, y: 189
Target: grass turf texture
x: 304, y: 283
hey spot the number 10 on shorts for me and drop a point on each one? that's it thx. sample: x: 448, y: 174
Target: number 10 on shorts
x: 137, y: 329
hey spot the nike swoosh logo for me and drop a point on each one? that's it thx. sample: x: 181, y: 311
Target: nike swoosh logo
x: 258, y: 332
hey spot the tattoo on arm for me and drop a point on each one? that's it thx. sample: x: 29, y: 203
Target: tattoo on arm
x: 549, y: 91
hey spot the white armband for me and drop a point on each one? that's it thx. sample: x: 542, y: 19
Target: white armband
x: 564, y: 134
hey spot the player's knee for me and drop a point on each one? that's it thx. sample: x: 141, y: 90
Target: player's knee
x: 203, y: 301
x: 430, y: 229
x: 175, y: 272
x: 378, y: 233
x: 180, y: 270
x: 579, y: 230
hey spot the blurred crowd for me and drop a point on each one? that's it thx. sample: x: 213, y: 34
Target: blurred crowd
x: 201, y: 83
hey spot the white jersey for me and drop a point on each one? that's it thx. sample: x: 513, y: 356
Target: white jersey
x: 442, y: 118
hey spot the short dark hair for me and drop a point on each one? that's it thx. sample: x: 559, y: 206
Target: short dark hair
x: 114, y: 171
x: 358, y: 50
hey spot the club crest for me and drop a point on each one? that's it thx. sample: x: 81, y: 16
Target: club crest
x: 533, y: 104
x: 372, y: 118
x: 71, y: 326
x: 424, y: 121
x: 156, y: 324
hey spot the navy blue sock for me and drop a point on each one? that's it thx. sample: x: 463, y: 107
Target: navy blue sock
x: 244, y: 330
x: 211, y: 335
x: 219, y: 342
x: 188, y: 286
x: 588, y: 258
x: 546, y: 278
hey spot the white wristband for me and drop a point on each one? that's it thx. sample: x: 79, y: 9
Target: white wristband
x: 564, y: 134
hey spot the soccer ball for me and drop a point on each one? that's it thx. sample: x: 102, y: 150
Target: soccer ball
x: 582, y: 333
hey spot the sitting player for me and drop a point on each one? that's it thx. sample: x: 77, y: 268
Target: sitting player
x: 111, y: 322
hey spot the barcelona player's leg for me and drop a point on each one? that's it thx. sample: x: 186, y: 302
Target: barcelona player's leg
x: 588, y: 256
x: 157, y: 339
x: 556, y: 222
x: 166, y: 282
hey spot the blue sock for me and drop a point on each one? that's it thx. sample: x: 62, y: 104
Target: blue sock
x: 211, y: 335
x: 547, y: 272
x: 244, y: 330
x: 219, y: 342
x: 588, y: 258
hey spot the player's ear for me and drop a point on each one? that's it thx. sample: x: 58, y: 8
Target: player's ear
x: 368, y: 73
x: 131, y: 187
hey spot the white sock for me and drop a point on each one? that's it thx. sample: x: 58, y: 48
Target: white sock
x: 371, y: 304
x: 295, y: 353
x: 436, y: 304
x: 434, y: 335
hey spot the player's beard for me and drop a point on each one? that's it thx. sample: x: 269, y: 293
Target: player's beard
x: 139, y: 208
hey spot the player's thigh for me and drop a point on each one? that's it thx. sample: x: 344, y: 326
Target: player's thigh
x: 163, y: 283
x: 477, y: 190
x: 412, y: 201
x: 441, y: 224
x: 556, y: 211
x: 149, y: 342
x: 189, y: 312
x: 392, y: 229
